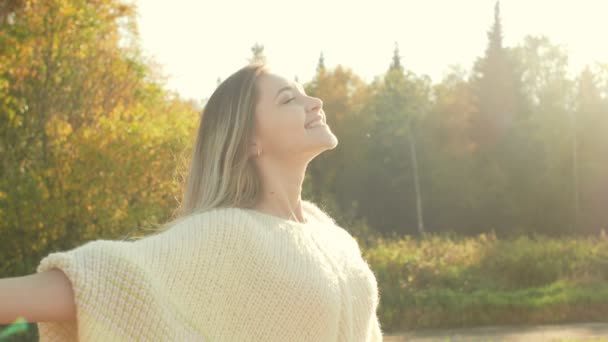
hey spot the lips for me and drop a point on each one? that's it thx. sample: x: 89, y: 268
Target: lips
x: 315, y: 119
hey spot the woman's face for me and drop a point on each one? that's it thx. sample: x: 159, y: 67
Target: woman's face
x: 282, y: 114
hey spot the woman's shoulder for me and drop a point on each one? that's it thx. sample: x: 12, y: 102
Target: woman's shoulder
x: 203, y: 234
x: 318, y: 211
x: 321, y: 213
x: 232, y: 216
x: 227, y: 222
x: 206, y: 225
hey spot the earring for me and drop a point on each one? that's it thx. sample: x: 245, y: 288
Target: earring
x: 258, y: 153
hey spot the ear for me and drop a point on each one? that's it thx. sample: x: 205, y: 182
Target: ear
x: 254, y: 148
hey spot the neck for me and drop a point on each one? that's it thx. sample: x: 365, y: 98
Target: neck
x: 281, y: 190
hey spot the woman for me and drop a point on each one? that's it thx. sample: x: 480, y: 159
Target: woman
x: 246, y: 259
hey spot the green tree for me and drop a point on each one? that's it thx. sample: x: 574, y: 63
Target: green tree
x: 77, y: 101
x: 500, y: 108
x: 589, y: 157
x: 543, y: 69
x: 447, y: 148
x: 321, y: 64
x: 399, y: 100
x: 257, y: 51
x: 396, y: 63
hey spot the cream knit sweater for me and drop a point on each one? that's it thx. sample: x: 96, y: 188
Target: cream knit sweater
x: 227, y: 274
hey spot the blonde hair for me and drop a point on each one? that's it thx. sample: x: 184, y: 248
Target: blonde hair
x: 221, y: 172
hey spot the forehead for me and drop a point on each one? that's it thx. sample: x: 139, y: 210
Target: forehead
x: 271, y: 81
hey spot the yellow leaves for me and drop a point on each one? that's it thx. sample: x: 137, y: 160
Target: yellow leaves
x: 64, y: 129
x: 82, y: 51
x: 58, y: 129
x: 3, y: 84
x: 112, y: 134
x: 67, y: 9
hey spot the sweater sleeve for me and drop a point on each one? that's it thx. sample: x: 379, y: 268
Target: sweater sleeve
x: 375, y: 330
x: 116, y: 296
x: 87, y: 267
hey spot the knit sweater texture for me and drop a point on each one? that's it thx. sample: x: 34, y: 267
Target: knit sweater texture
x: 226, y: 274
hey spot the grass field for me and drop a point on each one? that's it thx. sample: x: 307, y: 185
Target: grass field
x: 446, y: 282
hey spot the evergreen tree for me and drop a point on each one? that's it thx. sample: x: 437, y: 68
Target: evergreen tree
x: 321, y: 64
x: 498, y: 149
x: 258, y: 53
x: 396, y: 63
x: 495, y: 84
x: 588, y: 156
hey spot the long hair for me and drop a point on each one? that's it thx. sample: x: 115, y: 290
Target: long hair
x: 222, y: 174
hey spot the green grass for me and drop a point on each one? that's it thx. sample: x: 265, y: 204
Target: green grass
x: 444, y: 281
x: 20, y: 326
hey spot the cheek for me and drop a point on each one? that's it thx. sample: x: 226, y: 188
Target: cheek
x: 283, y: 128
x: 289, y: 122
x: 286, y: 133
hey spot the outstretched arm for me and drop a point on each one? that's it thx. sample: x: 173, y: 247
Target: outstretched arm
x: 39, y: 297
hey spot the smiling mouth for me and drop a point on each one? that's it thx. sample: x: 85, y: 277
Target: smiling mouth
x: 316, y: 123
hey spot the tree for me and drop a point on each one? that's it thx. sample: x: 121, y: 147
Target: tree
x: 398, y: 103
x: 589, y: 159
x: 396, y: 63
x: 258, y: 53
x: 495, y: 84
x: 321, y: 64
x: 497, y: 149
x: 544, y: 135
x: 76, y: 102
x: 446, y: 150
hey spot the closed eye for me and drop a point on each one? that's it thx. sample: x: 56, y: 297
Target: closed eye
x: 291, y: 99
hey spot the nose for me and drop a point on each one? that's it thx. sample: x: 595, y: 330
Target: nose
x: 315, y: 104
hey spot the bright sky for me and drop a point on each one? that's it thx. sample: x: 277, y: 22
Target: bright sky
x: 198, y: 42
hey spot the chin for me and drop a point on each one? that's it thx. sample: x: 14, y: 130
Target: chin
x: 322, y: 148
x: 333, y: 143
x: 330, y: 145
